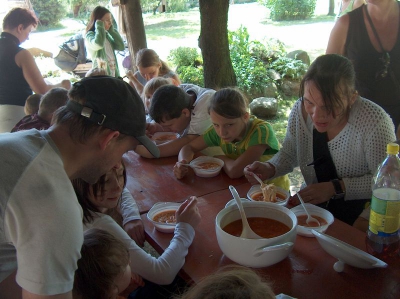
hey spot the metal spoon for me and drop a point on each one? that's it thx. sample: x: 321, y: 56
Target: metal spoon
x: 247, y: 232
x: 309, y: 217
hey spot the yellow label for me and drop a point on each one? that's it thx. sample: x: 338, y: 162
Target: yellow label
x: 385, y: 216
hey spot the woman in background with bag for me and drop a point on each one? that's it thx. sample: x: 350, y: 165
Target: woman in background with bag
x: 336, y: 137
x: 102, y: 40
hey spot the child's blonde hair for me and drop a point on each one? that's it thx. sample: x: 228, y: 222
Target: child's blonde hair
x: 103, y: 258
x: 229, y: 103
x: 97, y: 71
x: 154, y: 83
x: 231, y: 282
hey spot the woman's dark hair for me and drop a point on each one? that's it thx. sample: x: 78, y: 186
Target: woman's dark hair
x: 18, y: 16
x: 334, y: 77
x: 229, y: 103
x: 97, y: 14
x: 84, y: 190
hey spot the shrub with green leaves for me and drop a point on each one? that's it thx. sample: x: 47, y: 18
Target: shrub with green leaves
x: 188, y: 65
x: 282, y: 10
x: 289, y: 68
x: 49, y: 12
x: 248, y: 61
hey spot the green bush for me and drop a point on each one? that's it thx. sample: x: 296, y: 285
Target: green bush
x: 290, y: 9
x: 185, y: 56
x: 289, y: 68
x: 177, y: 6
x: 49, y: 12
x: 248, y: 61
x: 188, y: 65
x: 192, y: 75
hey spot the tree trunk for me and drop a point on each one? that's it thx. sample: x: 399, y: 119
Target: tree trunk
x: 331, y: 11
x: 213, y: 41
x: 134, y: 28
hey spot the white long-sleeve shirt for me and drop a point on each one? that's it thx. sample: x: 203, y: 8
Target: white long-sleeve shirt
x: 161, y: 270
x: 356, y: 151
x: 128, y: 207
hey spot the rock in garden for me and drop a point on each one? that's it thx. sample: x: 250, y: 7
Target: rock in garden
x: 290, y: 87
x: 300, y: 55
x: 264, y: 107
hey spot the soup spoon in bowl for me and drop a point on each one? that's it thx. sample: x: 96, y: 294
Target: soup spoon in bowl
x: 310, y: 219
x: 247, y: 232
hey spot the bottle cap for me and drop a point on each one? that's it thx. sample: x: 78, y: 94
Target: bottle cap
x: 392, y: 149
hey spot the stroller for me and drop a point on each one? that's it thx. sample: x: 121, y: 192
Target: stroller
x: 72, y: 52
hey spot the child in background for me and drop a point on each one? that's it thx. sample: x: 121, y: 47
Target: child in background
x: 243, y: 138
x: 32, y: 104
x: 159, y: 274
x: 231, y: 282
x: 49, y: 103
x: 150, y: 66
x: 151, y: 87
x: 103, y: 270
x: 181, y: 110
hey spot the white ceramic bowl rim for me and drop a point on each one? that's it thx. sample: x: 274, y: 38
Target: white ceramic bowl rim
x: 257, y: 189
x: 159, y: 207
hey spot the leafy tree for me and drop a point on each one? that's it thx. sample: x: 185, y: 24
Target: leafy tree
x: 49, y: 12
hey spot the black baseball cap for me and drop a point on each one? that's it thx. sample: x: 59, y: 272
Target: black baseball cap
x: 114, y: 104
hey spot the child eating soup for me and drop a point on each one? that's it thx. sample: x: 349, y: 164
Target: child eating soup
x: 243, y: 138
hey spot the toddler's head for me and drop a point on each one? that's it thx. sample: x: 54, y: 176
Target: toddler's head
x: 103, y: 269
x: 231, y: 282
x: 150, y: 88
x: 32, y: 104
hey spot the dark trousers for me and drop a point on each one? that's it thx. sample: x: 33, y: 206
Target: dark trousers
x: 152, y: 290
x: 345, y: 210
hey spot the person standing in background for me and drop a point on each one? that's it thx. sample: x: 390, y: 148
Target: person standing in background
x: 370, y: 37
x: 102, y: 40
x: 19, y: 74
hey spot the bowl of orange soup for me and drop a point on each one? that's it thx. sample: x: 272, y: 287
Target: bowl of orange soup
x: 255, y: 194
x: 162, y: 215
x: 207, y: 167
x: 163, y: 137
x: 324, y: 217
x: 274, y: 223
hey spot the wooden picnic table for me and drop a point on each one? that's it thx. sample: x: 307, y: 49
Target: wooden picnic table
x: 306, y: 273
x: 152, y: 180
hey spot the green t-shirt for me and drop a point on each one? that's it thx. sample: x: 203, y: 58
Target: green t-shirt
x: 258, y: 132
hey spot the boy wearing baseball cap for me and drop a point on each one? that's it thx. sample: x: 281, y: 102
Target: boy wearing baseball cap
x: 40, y: 217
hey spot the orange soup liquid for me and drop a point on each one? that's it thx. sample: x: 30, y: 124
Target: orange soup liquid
x: 259, y: 196
x: 165, y: 217
x: 208, y: 165
x: 264, y: 227
x: 301, y: 220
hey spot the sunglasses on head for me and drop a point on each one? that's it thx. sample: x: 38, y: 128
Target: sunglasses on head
x: 386, y: 63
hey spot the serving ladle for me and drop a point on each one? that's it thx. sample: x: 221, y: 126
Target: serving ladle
x: 247, y: 232
x: 310, y: 219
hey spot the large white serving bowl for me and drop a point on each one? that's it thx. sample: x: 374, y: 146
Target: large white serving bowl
x: 282, y: 198
x: 207, y: 173
x: 256, y: 253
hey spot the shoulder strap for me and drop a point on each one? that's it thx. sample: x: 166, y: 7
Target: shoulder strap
x: 323, y: 164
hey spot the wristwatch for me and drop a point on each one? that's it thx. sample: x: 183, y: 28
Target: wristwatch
x: 338, y: 189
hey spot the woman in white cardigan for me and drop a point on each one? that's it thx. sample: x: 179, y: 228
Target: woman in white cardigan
x: 356, y: 132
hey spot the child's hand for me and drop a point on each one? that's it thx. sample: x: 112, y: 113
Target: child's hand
x: 188, y: 212
x: 180, y: 170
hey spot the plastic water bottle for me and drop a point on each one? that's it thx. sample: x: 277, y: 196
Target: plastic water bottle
x: 383, y: 235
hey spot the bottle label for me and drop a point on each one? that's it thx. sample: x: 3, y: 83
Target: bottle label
x: 385, y: 216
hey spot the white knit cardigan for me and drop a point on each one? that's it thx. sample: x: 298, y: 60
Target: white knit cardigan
x: 356, y: 151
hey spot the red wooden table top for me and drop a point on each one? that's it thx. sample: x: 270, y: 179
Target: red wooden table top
x: 152, y: 180
x: 306, y: 273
